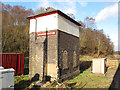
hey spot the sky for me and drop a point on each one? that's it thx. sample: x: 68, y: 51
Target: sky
x: 105, y: 13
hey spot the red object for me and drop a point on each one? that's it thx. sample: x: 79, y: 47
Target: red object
x: 15, y: 61
x: 44, y: 33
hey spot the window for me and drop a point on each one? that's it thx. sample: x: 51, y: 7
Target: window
x: 74, y: 59
x: 65, y: 59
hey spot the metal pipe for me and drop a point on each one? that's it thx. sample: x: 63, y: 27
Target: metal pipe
x: 45, y: 58
x: 35, y: 28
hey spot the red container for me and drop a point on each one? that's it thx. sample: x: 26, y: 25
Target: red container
x: 15, y: 61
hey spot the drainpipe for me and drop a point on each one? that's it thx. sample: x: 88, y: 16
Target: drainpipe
x: 45, y: 58
x: 35, y: 28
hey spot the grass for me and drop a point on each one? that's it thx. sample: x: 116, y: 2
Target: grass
x: 86, y: 79
x: 21, y: 77
x: 111, y: 72
x: 89, y: 80
x: 85, y: 58
x: 23, y: 82
x: 89, y: 58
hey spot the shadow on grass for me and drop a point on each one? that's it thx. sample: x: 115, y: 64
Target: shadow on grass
x: 83, y: 65
x: 26, y: 83
x: 26, y: 71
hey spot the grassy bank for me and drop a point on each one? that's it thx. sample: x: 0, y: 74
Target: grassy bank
x: 89, y: 80
x: 86, y: 58
x: 86, y: 79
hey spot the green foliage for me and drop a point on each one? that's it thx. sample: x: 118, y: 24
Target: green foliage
x: 26, y: 60
x: 94, y: 42
x: 23, y: 82
x: 89, y: 80
x: 15, y: 29
x: 85, y: 58
x: 15, y: 33
x: 21, y: 77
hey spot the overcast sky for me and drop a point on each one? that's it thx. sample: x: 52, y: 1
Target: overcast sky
x: 105, y: 13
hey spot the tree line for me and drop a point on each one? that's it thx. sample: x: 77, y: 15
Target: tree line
x: 15, y: 29
x: 15, y: 33
x: 93, y: 41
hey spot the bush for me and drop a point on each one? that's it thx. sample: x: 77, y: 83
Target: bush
x: 26, y: 60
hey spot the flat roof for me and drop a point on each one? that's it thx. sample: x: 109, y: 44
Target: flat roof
x: 53, y: 11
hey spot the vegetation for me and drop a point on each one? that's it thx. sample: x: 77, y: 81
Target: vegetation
x: 15, y: 29
x: 23, y: 82
x: 15, y: 33
x: 117, y: 52
x: 86, y: 79
x: 26, y: 60
x: 92, y: 41
x: 21, y: 77
x: 85, y: 58
x: 89, y: 80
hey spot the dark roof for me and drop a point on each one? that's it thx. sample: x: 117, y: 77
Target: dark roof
x: 51, y: 11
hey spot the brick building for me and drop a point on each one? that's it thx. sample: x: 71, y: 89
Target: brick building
x: 54, y: 45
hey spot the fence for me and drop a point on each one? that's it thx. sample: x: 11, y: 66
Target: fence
x: 15, y: 61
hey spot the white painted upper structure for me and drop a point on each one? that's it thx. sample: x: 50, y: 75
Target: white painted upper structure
x: 53, y: 20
